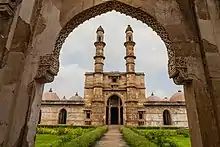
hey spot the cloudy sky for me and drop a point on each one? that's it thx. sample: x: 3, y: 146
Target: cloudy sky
x: 78, y: 51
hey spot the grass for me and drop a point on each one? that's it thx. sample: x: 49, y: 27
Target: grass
x: 65, y: 137
x: 45, y: 140
x: 182, y: 141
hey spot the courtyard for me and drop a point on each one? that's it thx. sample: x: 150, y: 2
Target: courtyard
x: 109, y: 136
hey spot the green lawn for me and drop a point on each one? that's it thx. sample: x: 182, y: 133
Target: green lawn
x: 182, y: 141
x: 45, y: 140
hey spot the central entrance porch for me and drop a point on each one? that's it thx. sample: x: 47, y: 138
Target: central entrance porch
x: 114, y: 111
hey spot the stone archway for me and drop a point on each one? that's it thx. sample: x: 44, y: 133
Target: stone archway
x: 62, y: 116
x: 167, y: 118
x: 114, y: 111
x: 192, y: 50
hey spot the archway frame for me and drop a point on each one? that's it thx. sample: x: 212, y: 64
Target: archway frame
x: 121, y: 106
x: 166, y: 111
x: 62, y: 111
x: 49, y: 64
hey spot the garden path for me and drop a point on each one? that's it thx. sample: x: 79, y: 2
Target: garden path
x: 113, y: 138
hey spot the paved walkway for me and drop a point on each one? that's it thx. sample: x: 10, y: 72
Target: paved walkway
x: 113, y: 138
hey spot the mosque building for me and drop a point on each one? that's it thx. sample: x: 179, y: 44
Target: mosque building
x: 114, y: 98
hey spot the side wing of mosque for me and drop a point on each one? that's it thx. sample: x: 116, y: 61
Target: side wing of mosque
x: 114, y: 98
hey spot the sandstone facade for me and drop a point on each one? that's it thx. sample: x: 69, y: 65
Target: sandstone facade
x: 33, y: 31
x: 114, y: 98
x: 152, y: 112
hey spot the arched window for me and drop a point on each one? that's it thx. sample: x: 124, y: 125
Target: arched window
x: 62, y: 116
x: 166, y: 117
x: 40, y: 113
x: 129, y: 38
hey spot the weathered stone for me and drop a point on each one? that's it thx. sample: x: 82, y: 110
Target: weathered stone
x: 201, y: 21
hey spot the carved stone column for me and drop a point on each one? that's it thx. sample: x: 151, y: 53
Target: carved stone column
x: 189, y: 71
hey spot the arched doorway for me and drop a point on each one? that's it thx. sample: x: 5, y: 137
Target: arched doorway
x: 114, y: 111
x: 166, y: 117
x: 62, y: 116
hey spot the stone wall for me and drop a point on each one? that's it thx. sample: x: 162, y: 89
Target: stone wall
x: 191, y: 28
x: 154, y: 115
x: 50, y: 114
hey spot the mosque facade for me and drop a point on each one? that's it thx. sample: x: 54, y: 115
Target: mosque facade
x: 114, y: 98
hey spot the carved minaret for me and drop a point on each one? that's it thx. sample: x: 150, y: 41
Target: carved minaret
x: 98, y: 98
x: 99, y: 56
x: 132, y: 99
x: 129, y: 44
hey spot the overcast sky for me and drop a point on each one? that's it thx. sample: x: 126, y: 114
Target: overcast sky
x: 78, y: 51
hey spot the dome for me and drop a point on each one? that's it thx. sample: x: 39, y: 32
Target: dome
x: 100, y: 29
x: 51, y: 96
x: 76, y: 97
x: 153, y: 98
x: 178, y: 97
x: 129, y: 29
x: 165, y: 99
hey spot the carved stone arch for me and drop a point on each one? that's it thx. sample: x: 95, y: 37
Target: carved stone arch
x: 50, y: 63
x: 117, y: 94
x: 118, y: 7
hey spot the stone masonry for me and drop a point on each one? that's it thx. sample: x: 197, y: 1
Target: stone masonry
x: 32, y: 33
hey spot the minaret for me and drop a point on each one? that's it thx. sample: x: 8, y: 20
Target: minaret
x: 131, y: 99
x: 130, y: 57
x: 99, y: 56
x: 97, y: 103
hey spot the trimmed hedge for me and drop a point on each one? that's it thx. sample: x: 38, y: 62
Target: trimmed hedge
x: 162, y: 138
x: 87, y: 139
x: 135, y: 140
x: 64, y: 126
x: 161, y: 127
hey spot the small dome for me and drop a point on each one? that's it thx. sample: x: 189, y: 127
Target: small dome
x: 50, y: 96
x: 153, y: 98
x: 100, y: 29
x: 165, y: 99
x: 129, y: 29
x: 76, y: 98
x: 178, y: 97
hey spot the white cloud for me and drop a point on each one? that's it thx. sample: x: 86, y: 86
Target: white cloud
x: 78, y: 51
x: 69, y: 81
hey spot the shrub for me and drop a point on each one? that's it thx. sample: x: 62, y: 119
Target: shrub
x: 159, y: 137
x: 46, y: 131
x: 71, y: 134
x: 135, y: 140
x: 183, y: 132
x: 87, y: 139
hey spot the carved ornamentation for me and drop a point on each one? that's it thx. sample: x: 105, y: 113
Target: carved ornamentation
x: 48, y: 68
x: 7, y: 7
x: 119, y: 7
x: 134, y: 13
x: 177, y: 70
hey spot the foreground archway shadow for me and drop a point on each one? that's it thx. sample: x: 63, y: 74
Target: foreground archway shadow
x: 38, y: 63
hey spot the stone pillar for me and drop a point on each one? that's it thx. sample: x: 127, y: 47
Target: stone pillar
x: 207, y: 92
x: 119, y: 117
x: 109, y: 114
